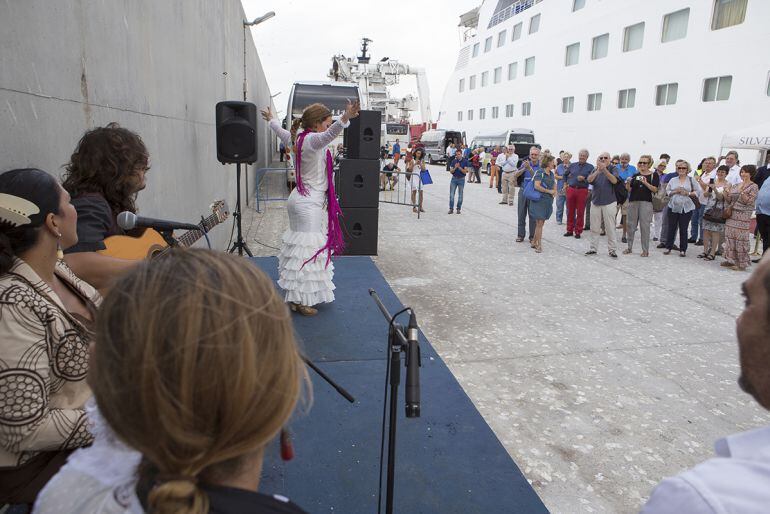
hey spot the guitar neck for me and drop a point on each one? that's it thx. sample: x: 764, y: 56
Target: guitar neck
x: 191, y: 236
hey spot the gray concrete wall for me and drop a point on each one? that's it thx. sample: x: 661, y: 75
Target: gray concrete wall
x: 155, y: 67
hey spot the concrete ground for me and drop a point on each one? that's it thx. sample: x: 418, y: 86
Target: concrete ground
x: 600, y: 376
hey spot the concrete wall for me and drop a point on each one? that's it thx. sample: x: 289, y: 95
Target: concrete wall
x: 157, y: 68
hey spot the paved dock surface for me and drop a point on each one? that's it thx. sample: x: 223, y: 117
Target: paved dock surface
x: 600, y: 376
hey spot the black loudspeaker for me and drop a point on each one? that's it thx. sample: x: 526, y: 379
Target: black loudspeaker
x: 359, y: 226
x: 362, y: 137
x: 358, y: 183
x: 236, y: 126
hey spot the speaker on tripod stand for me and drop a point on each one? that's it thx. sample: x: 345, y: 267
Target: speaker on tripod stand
x: 236, y: 131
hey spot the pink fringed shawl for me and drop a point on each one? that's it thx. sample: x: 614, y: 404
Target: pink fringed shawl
x: 335, y: 243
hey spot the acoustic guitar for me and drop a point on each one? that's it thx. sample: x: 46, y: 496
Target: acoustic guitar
x: 151, y: 243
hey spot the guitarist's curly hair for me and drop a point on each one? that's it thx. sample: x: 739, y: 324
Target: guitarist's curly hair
x: 108, y: 161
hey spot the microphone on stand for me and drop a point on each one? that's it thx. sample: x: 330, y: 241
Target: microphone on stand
x: 127, y: 220
x: 412, y: 392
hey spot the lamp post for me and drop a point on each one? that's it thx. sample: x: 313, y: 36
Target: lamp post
x: 255, y: 21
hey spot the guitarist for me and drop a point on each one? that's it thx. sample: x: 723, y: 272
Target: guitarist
x: 104, y: 176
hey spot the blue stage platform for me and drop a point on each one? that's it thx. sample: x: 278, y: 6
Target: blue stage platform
x: 447, y: 461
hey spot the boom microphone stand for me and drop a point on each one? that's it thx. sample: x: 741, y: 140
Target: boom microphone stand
x: 400, y: 339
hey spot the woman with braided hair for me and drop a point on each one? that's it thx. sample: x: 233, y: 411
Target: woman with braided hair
x: 304, y: 264
x: 191, y: 384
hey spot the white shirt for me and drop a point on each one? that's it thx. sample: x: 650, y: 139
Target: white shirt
x: 734, y: 175
x: 507, y: 163
x: 314, y: 147
x: 450, y: 150
x: 705, y: 177
x: 737, y: 480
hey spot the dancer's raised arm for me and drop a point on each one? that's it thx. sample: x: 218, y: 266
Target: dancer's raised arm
x: 283, y: 134
x: 319, y: 140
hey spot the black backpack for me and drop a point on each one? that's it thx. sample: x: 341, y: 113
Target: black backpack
x: 619, y: 187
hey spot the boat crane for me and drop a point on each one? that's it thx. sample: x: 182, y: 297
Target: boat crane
x: 373, y: 81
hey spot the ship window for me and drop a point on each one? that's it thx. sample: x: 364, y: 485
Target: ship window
x: 509, y: 109
x: 728, y: 13
x: 717, y: 89
x: 568, y: 104
x: 526, y: 108
x: 534, y: 24
x: 482, y: 113
x: 529, y: 66
x: 600, y: 46
x: 516, y: 32
x: 488, y: 44
x: 476, y: 50
x: 578, y: 4
x: 472, y: 82
x: 512, y: 70
x: 665, y: 94
x: 470, y: 114
x: 768, y: 84
x: 572, y: 54
x: 459, y: 115
x: 484, y: 79
x: 626, y: 98
x: 495, y: 112
x: 498, y: 75
x: 501, y: 38
x: 594, y: 102
x: 633, y: 37
x: 461, y: 86
x: 675, y: 25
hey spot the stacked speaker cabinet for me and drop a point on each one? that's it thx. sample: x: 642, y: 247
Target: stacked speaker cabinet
x: 358, y: 184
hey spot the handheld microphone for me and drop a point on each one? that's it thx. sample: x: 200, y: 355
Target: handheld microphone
x: 127, y: 220
x: 412, y: 392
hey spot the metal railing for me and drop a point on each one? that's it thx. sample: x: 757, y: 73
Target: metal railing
x: 510, y: 11
x: 262, y: 186
x: 399, y: 191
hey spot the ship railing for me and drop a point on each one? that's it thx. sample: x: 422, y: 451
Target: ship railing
x: 511, y: 11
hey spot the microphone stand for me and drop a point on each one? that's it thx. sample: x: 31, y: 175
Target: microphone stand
x: 168, y: 236
x: 329, y: 381
x: 399, y: 340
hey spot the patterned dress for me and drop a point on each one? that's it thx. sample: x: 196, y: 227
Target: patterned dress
x: 738, y: 226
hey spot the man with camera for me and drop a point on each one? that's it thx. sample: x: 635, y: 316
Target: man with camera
x: 527, y: 172
x: 459, y: 166
x: 604, y: 204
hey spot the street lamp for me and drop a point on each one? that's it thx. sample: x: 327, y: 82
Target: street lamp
x: 256, y: 21
x: 259, y: 20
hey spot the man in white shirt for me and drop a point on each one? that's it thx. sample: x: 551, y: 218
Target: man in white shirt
x: 508, y: 162
x: 450, y: 153
x: 734, y: 175
x: 738, y: 479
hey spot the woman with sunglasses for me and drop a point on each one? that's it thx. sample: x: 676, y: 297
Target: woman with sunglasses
x: 641, y: 186
x: 683, y: 191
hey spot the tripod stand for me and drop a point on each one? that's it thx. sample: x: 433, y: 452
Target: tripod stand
x: 239, y: 244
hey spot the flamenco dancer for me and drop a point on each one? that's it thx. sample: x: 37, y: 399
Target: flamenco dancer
x: 304, y: 264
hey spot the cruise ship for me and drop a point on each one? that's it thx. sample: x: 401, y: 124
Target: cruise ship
x: 637, y: 76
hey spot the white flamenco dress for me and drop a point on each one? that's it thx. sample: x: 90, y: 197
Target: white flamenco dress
x: 308, y: 282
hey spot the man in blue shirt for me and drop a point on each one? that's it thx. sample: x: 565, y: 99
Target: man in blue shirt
x: 528, y: 169
x: 763, y: 216
x: 625, y: 172
x: 604, y: 205
x: 396, y: 152
x: 576, y: 177
x: 459, y: 166
x: 561, y: 198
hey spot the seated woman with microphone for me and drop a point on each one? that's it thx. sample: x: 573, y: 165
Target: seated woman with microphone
x: 191, y: 383
x: 46, y: 314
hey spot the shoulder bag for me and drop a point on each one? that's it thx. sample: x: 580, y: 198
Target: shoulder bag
x: 530, y: 193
